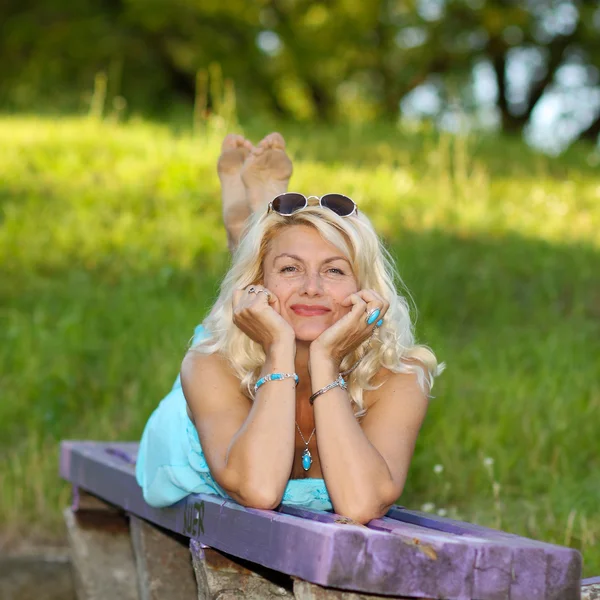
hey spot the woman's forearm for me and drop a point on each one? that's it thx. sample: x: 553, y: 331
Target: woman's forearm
x: 261, y: 454
x: 358, y: 480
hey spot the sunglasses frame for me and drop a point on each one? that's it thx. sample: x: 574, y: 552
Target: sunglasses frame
x: 307, y: 198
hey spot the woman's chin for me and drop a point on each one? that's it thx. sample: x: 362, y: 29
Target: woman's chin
x: 308, y: 332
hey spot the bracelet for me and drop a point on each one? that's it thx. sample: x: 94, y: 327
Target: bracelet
x: 339, y: 382
x: 275, y: 377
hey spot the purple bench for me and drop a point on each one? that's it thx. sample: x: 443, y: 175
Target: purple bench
x: 295, y: 552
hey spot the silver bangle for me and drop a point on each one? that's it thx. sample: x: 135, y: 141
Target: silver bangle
x: 339, y: 382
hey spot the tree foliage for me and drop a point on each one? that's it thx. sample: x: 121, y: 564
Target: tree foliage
x: 326, y: 60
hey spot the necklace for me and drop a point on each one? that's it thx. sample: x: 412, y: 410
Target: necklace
x: 306, y: 456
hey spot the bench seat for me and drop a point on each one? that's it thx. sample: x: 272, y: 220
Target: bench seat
x: 404, y: 554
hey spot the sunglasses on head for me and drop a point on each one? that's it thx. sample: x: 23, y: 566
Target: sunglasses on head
x: 291, y: 202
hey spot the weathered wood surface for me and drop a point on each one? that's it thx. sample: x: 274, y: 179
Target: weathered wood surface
x: 590, y: 589
x: 404, y: 554
x: 303, y: 590
x: 220, y: 576
x: 101, y: 554
x: 163, y: 563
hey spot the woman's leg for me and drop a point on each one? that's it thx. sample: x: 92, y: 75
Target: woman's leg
x: 236, y: 210
x: 250, y: 178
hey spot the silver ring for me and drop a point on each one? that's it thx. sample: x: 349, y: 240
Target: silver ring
x: 252, y: 290
x: 264, y: 292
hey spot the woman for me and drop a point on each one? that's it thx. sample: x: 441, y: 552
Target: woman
x: 304, y: 385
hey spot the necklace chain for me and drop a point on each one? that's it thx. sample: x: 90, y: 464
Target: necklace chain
x: 310, y: 438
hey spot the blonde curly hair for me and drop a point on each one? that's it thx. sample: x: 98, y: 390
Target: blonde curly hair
x: 393, y: 348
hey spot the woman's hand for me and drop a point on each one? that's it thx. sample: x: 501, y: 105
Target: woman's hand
x: 352, y: 329
x: 257, y: 312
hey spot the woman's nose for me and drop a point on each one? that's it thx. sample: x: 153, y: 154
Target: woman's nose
x: 312, y: 284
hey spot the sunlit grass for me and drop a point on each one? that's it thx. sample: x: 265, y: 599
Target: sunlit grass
x: 111, y: 249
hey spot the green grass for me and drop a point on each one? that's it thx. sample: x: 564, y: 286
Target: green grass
x: 111, y: 250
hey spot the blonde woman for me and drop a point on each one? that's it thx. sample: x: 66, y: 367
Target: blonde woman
x: 304, y: 384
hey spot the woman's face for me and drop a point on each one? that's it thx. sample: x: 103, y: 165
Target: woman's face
x: 310, y: 277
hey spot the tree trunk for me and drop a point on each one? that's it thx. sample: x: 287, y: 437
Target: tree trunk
x: 510, y: 123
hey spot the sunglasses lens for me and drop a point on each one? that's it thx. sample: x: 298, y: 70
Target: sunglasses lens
x: 286, y: 204
x: 342, y: 205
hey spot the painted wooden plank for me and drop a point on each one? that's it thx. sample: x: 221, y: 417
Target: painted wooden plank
x: 505, y: 563
x: 561, y: 570
x: 448, y: 561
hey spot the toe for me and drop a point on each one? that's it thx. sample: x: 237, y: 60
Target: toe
x: 276, y: 140
x: 272, y: 140
x: 247, y: 147
x: 231, y: 141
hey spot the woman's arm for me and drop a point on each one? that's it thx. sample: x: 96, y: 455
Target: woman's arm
x: 249, y: 446
x: 365, y: 466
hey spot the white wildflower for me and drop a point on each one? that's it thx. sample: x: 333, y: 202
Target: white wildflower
x: 428, y: 507
x: 438, y: 469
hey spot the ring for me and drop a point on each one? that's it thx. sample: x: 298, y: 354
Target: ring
x: 264, y: 292
x: 379, y: 324
x: 372, y: 316
x: 252, y: 290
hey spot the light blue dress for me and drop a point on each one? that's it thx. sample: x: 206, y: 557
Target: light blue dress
x: 171, y: 464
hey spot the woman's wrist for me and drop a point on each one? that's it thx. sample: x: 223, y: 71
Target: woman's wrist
x: 320, y: 357
x: 281, y: 349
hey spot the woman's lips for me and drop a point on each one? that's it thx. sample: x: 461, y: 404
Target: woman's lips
x: 309, y: 311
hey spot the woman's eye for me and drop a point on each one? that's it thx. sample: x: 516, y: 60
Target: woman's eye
x: 336, y: 271
x: 287, y: 269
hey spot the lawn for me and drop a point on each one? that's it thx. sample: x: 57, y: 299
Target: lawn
x: 112, y: 248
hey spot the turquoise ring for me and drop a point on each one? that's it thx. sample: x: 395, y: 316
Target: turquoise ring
x: 373, y: 316
x: 379, y: 323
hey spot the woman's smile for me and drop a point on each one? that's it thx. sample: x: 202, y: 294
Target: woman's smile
x: 306, y: 310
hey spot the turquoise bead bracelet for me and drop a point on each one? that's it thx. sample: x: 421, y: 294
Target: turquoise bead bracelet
x: 275, y: 377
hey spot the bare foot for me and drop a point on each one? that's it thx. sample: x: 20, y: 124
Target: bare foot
x: 267, y: 171
x: 236, y: 210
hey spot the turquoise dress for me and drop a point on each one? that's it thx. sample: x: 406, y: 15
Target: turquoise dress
x: 171, y: 463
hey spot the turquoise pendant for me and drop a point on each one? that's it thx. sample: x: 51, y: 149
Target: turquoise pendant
x: 306, y: 459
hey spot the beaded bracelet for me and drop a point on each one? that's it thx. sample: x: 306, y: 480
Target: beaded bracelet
x: 275, y: 377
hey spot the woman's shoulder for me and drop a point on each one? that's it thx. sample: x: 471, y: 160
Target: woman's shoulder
x: 385, y: 380
x: 208, y: 368
x: 207, y: 360
x: 210, y: 384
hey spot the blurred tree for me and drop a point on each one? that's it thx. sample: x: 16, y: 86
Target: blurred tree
x: 543, y: 39
x: 306, y: 59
